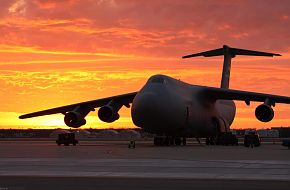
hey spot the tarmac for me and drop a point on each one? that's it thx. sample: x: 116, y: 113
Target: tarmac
x: 112, y: 165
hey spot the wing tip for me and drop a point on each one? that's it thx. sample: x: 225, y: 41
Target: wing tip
x: 22, y: 117
x: 186, y: 56
x: 192, y: 55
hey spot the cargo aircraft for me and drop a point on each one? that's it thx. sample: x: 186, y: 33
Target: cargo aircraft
x: 174, y: 110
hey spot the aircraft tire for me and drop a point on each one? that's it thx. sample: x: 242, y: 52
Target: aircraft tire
x: 156, y: 141
x: 167, y: 141
x: 207, y: 141
x: 160, y: 141
x: 211, y: 141
x: 171, y: 141
x: 183, y: 141
x: 257, y: 144
x: 177, y: 141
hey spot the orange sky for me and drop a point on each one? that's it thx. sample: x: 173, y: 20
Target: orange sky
x: 57, y: 52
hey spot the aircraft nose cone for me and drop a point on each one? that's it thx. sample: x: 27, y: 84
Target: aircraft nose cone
x: 153, y: 111
x: 145, y: 108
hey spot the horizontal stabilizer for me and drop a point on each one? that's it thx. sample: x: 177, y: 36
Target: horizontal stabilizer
x: 232, y: 51
x: 228, y: 54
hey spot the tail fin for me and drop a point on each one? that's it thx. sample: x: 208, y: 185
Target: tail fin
x: 228, y: 54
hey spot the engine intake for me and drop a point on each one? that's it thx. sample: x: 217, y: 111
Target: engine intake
x: 108, y: 114
x: 74, y: 119
x: 264, y: 113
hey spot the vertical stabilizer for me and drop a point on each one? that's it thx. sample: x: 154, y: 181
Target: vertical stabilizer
x: 228, y: 54
x: 225, y: 82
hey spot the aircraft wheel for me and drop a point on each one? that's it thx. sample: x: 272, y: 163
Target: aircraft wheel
x: 211, y: 141
x: 257, y: 144
x: 157, y: 141
x: 167, y: 141
x: 177, y: 141
x: 207, y: 141
x: 162, y: 141
x: 171, y: 141
x: 183, y: 141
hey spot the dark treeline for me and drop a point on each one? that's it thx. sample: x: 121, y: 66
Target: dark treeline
x: 44, y: 133
x: 284, y: 132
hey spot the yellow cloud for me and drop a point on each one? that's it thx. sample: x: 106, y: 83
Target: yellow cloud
x: 36, y: 50
x: 18, y: 8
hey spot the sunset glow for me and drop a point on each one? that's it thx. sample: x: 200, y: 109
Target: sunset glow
x: 59, y: 52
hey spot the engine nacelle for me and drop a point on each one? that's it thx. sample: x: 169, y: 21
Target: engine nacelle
x: 74, y: 119
x: 264, y: 113
x: 108, y: 114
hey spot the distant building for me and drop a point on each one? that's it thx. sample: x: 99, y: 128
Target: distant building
x: 107, y: 134
x: 274, y: 133
x: 55, y: 133
x: 82, y: 134
x: 129, y: 134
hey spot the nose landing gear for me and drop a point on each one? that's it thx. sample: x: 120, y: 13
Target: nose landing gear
x: 169, y: 141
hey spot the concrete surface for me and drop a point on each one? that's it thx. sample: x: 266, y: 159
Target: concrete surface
x: 28, y: 165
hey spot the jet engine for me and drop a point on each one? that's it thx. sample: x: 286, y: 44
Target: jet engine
x: 264, y: 113
x: 108, y: 113
x: 74, y: 119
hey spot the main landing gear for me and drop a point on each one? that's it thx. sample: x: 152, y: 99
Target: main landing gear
x: 169, y: 141
x: 222, y: 139
x: 210, y: 141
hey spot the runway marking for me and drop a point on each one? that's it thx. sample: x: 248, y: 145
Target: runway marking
x: 147, y: 175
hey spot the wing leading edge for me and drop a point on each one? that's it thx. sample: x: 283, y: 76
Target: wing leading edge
x: 124, y: 99
x: 228, y: 94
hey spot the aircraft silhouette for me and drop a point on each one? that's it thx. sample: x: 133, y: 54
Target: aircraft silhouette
x: 173, y: 109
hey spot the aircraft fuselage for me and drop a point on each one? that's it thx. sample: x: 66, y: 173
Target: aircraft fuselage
x: 167, y: 106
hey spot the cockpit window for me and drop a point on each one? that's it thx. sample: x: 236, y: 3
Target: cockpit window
x: 158, y: 80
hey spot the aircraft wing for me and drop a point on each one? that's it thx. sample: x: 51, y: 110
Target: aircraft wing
x: 228, y: 94
x: 124, y: 99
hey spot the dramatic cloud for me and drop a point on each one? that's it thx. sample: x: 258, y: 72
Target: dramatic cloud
x: 18, y: 8
x: 50, y: 49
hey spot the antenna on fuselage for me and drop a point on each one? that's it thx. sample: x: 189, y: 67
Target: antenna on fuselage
x: 228, y: 54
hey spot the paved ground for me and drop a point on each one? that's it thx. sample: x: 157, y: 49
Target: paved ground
x: 111, y: 165
x: 77, y: 183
